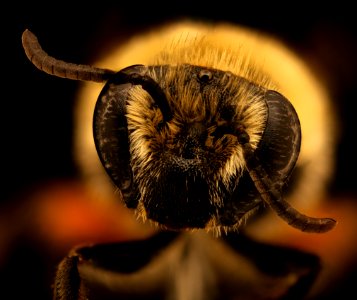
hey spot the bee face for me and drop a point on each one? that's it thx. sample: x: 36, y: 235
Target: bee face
x: 181, y: 142
x: 198, y: 138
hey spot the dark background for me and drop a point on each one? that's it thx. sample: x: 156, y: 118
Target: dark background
x: 36, y: 109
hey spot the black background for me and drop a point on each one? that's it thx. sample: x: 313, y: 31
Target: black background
x: 36, y: 109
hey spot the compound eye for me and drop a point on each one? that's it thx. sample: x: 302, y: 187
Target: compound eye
x: 272, y: 162
x: 110, y: 125
x: 279, y: 147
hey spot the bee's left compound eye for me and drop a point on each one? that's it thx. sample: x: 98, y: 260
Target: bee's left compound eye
x: 274, y: 159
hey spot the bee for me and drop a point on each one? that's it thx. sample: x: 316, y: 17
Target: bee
x: 200, y: 125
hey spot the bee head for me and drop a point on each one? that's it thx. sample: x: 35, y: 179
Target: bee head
x: 172, y: 139
x: 189, y: 146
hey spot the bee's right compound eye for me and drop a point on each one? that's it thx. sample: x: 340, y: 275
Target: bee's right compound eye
x: 110, y: 126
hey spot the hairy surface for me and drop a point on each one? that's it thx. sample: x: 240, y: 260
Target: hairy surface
x: 218, y: 159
